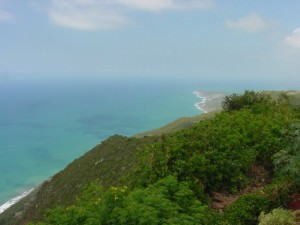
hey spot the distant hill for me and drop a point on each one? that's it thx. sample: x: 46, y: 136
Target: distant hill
x: 213, y: 107
x: 293, y: 95
x: 179, y: 124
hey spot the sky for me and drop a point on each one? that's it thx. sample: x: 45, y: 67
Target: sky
x: 208, y: 39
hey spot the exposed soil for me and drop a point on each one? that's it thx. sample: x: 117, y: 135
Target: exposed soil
x: 294, y: 203
x: 259, y: 178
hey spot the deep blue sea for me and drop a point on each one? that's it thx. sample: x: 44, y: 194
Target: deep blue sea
x: 44, y: 125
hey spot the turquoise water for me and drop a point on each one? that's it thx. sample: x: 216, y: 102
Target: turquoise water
x: 46, y: 125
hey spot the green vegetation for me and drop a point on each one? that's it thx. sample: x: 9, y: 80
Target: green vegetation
x: 216, y: 154
x: 108, y: 163
x: 294, y: 96
x: 277, y: 217
x: 246, y: 209
x: 179, y: 124
x: 165, y: 202
x: 247, y: 100
x: 171, y: 178
x: 287, y: 160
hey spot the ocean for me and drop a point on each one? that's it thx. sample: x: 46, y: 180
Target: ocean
x: 44, y: 125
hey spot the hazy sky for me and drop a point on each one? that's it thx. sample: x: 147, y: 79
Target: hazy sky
x: 213, y: 39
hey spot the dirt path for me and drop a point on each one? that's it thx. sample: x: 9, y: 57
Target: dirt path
x: 223, y: 199
x: 294, y: 205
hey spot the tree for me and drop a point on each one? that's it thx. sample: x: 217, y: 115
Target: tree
x: 249, y: 98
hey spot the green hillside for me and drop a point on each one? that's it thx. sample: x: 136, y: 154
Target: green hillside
x: 108, y: 162
x: 294, y: 96
x: 240, y: 162
x: 213, y: 107
x: 179, y: 124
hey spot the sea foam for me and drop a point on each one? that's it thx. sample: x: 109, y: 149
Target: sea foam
x: 13, y: 201
x: 204, y: 99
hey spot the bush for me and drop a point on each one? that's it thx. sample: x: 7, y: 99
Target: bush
x: 217, y: 154
x: 167, y: 202
x: 249, y: 98
x: 287, y: 161
x: 277, y: 217
x: 278, y: 191
x: 246, y: 209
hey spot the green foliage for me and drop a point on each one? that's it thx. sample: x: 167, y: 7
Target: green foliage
x: 216, y: 154
x: 93, y: 207
x: 39, y: 223
x: 108, y: 162
x: 179, y: 124
x: 287, y: 161
x: 167, y: 202
x: 278, y: 191
x: 277, y: 217
x: 246, y: 209
x: 248, y: 99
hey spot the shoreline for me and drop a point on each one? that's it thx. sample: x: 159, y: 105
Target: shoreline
x: 210, y: 100
x: 201, y: 105
x: 14, y: 200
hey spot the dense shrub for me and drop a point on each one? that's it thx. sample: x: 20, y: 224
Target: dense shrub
x: 277, y: 217
x: 287, y: 161
x: 167, y: 202
x: 246, y: 209
x: 248, y: 99
x: 217, y: 154
x: 278, y: 191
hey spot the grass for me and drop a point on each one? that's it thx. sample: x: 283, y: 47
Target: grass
x: 294, y: 96
x: 179, y: 124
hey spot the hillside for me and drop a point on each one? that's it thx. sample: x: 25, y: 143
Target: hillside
x: 179, y: 124
x: 212, y: 106
x: 294, y: 96
x: 113, y: 162
x: 108, y: 162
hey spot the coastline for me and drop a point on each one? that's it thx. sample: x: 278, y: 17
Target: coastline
x: 13, y: 201
x: 204, y: 99
x: 210, y: 101
x: 205, y: 106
